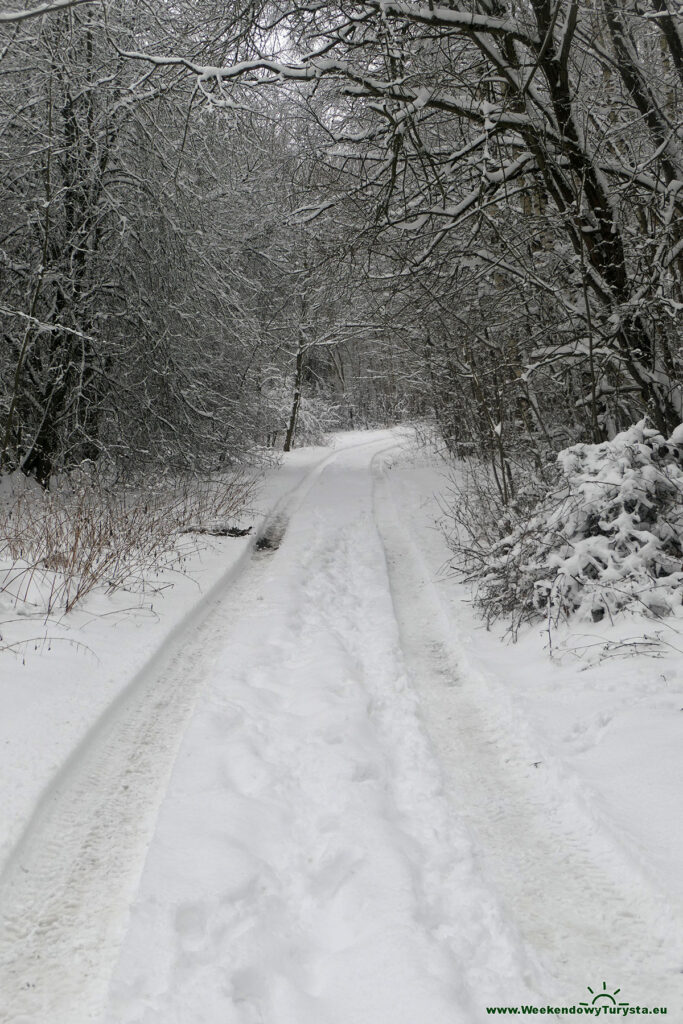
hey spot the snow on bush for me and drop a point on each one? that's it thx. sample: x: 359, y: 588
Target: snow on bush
x: 317, y: 414
x: 610, y: 539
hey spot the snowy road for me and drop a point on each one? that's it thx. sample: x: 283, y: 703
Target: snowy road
x: 304, y: 812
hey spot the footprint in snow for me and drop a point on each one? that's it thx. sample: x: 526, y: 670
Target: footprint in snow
x: 190, y: 923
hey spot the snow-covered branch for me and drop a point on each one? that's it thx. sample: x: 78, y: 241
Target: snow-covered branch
x: 13, y: 17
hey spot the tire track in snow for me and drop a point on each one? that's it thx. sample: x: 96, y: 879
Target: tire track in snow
x: 324, y: 878
x: 573, y: 896
x: 66, y: 886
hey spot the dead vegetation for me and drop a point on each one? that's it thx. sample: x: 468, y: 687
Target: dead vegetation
x: 56, y: 547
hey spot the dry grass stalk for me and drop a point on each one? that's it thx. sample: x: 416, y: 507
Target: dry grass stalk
x: 57, y: 547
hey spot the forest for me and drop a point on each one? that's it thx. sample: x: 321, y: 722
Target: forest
x: 227, y: 228
x: 341, y: 510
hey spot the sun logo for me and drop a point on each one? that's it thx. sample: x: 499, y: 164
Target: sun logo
x: 603, y: 998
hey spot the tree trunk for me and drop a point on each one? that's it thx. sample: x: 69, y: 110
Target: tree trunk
x: 296, y: 398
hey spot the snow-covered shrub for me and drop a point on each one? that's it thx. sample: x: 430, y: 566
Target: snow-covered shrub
x: 316, y: 416
x: 609, y: 538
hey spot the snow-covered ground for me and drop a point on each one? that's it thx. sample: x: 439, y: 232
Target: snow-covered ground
x: 325, y: 795
x: 568, y: 769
